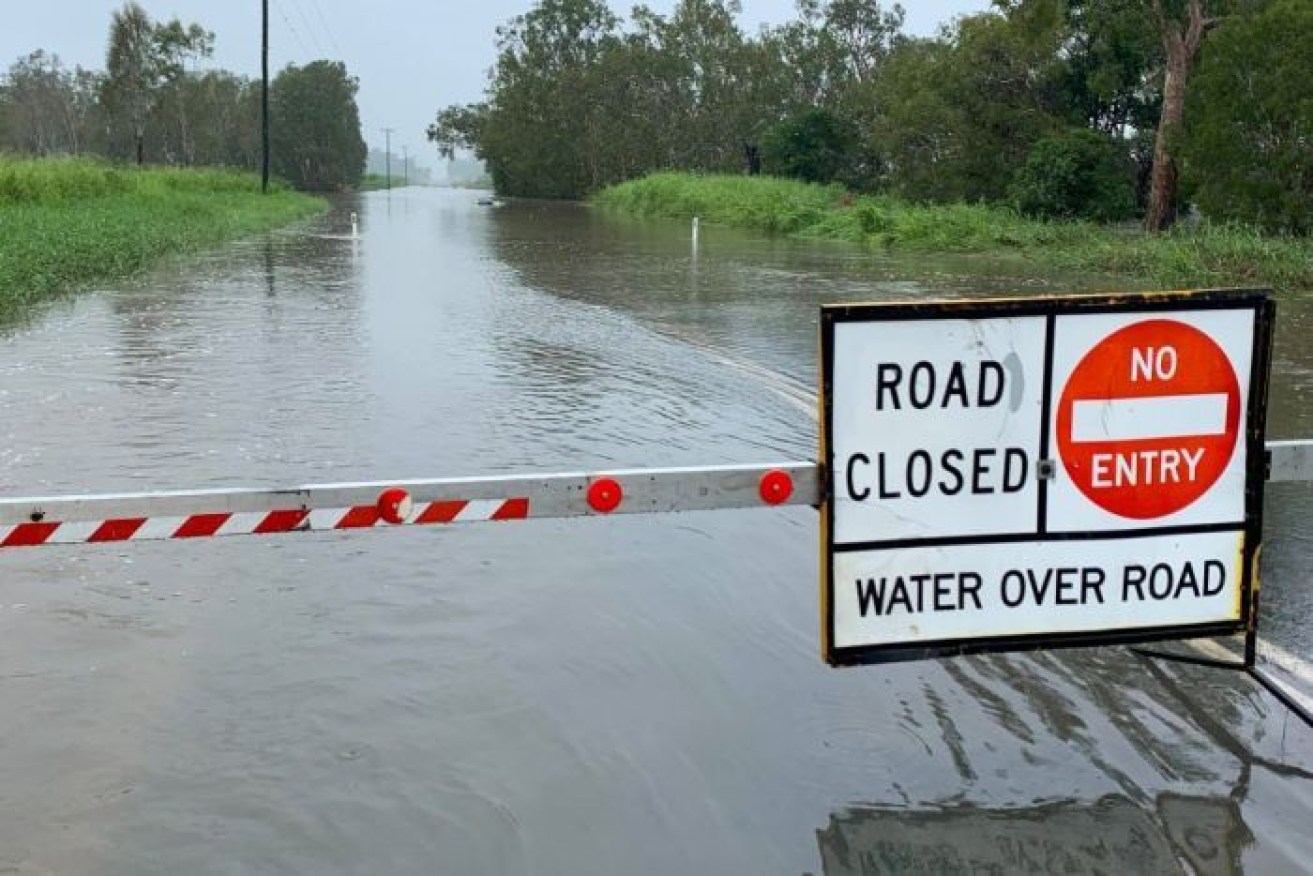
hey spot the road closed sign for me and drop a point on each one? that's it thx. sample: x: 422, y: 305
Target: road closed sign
x: 1042, y: 472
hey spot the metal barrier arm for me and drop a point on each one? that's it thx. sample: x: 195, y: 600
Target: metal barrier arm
x: 27, y: 522
x: 203, y: 513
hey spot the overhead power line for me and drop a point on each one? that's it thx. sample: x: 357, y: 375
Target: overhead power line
x: 332, y: 39
x: 309, y: 28
x: 305, y: 49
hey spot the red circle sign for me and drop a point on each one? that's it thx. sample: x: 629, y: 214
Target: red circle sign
x: 1149, y: 418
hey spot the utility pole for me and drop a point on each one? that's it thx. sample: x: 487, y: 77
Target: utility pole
x: 405, y: 164
x: 387, y: 157
x: 264, y: 97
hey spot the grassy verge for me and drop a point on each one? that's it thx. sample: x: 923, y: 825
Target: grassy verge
x: 65, y: 223
x: 1200, y: 256
x: 372, y: 182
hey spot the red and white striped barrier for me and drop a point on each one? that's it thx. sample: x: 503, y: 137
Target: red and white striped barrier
x: 252, y: 523
x: 30, y: 522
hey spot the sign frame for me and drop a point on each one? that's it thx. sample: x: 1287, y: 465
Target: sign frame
x: 1259, y: 300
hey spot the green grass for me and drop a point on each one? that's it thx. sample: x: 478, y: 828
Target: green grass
x: 65, y: 223
x: 1206, y: 255
x: 373, y: 181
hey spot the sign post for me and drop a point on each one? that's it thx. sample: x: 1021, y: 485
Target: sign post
x: 1037, y: 473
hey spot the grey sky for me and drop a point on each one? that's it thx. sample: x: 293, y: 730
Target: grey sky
x: 411, y: 56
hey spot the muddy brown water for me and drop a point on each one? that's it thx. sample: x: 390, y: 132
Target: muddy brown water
x: 630, y: 695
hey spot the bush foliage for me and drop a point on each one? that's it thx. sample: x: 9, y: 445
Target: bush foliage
x: 1248, y: 147
x: 814, y: 146
x: 1077, y: 175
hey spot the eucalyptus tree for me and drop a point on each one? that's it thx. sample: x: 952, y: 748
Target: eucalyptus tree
x: 46, y: 108
x: 1182, y: 26
x: 175, y: 47
x: 142, y: 60
x: 317, y: 143
x: 132, y: 73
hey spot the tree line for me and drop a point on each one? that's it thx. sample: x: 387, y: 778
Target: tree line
x: 151, y: 104
x: 1104, y: 109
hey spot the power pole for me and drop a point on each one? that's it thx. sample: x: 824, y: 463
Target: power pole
x: 264, y: 97
x: 405, y: 164
x: 387, y: 157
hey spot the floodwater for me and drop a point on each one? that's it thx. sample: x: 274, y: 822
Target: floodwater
x: 637, y: 695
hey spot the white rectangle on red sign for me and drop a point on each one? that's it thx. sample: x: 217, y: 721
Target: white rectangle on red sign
x: 1160, y: 416
x: 987, y: 591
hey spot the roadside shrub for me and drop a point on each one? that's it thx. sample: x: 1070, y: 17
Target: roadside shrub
x: 1076, y: 175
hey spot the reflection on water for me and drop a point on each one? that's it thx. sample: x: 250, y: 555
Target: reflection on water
x: 598, y: 696
x: 1112, y: 835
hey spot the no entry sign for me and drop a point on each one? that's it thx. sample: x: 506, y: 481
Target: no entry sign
x: 1149, y: 418
x: 1033, y: 473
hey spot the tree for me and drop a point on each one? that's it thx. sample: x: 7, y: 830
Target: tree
x: 815, y: 145
x: 862, y: 35
x: 957, y: 116
x: 317, y: 144
x: 47, y: 109
x: 850, y: 42
x: 143, y: 60
x: 458, y: 128
x: 1247, y: 149
x: 915, y: 131
x: 1181, y: 26
x: 1110, y: 60
x: 1127, y: 66
x: 834, y: 47
x: 1078, y: 174
x: 712, y: 88
x: 132, y: 72
x: 175, y: 46
x: 575, y: 102
x: 537, y: 130
x: 206, y: 118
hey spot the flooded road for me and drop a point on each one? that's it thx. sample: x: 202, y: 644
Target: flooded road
x: 592, y: 696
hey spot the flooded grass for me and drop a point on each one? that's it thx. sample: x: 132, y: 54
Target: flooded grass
x: 68, y: 222
x: 1203, y: 255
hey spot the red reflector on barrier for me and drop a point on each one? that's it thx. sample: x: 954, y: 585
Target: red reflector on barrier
x: 605, y: 495
x: 394, y: 505
x: 775, y: 487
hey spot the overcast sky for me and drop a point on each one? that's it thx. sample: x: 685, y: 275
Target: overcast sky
x: 412, y: 56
